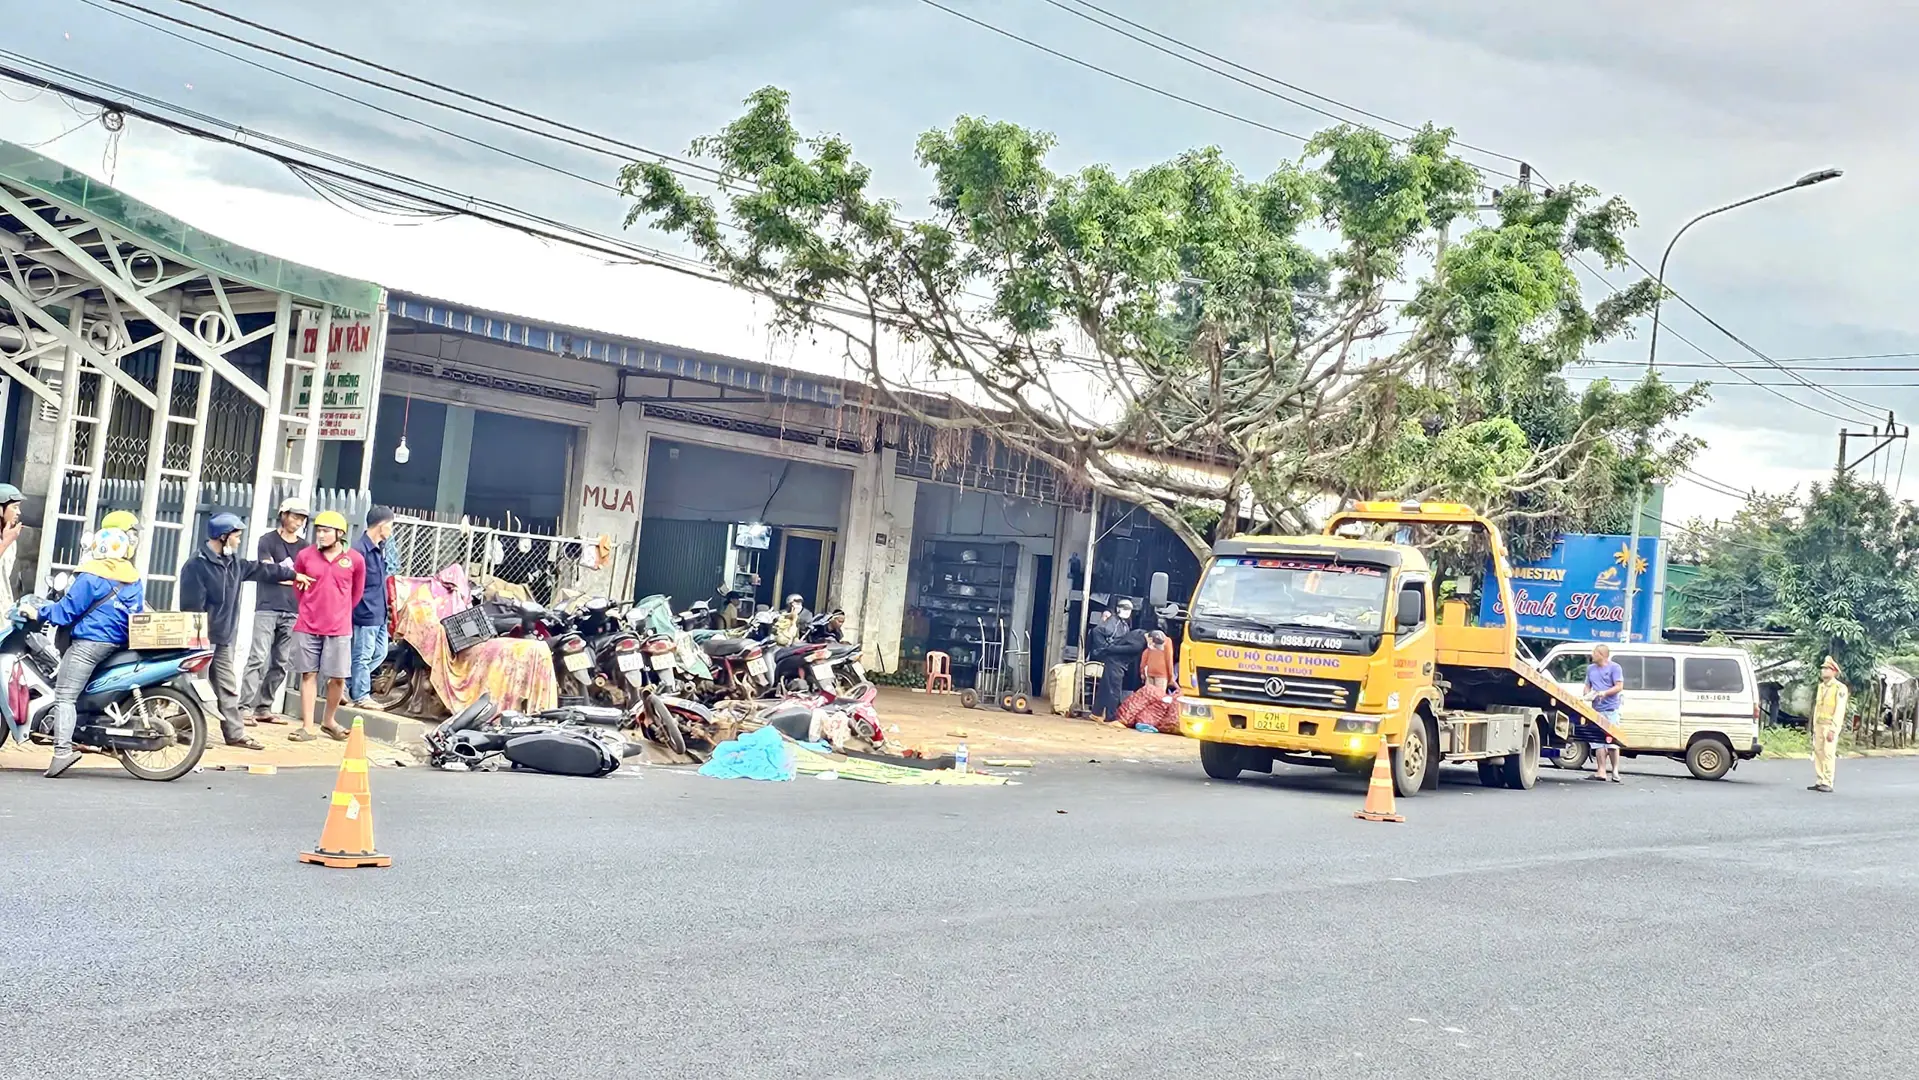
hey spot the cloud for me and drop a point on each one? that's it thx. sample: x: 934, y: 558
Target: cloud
x: 1679, y: 106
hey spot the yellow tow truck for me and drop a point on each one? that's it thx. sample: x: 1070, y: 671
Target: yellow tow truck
x: 1311, y: 649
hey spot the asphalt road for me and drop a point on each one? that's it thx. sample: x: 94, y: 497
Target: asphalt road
x: 1097, y: 920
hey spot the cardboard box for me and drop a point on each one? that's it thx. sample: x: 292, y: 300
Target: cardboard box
x: 167, y: 630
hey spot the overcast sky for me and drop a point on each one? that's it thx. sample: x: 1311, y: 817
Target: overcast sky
x: 1679, y: 106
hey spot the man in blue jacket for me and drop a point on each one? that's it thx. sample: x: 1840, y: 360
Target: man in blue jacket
x: 370, y: 615
x: 210, y: 582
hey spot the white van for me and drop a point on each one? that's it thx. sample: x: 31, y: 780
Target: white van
x: 1693, y: 703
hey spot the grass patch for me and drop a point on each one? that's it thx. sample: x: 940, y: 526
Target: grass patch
x: 1796, y: 742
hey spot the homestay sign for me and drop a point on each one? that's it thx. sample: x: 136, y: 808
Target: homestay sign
x: 1578, y: 591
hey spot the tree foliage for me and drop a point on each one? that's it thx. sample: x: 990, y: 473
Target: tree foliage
x: 1182, y: 336
x: 1838, y: 570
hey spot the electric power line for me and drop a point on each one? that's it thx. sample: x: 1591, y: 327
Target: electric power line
x: 1248, y: 83
x: 1689, y: 343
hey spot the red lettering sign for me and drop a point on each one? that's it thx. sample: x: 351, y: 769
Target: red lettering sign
x: 618, y: 500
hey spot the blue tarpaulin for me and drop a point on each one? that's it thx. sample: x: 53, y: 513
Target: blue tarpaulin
x: 757, y: 755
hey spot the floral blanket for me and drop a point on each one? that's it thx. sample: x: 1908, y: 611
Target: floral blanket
x: 517, y: 672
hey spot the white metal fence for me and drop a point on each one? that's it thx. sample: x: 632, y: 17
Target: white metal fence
x: 545, y: 565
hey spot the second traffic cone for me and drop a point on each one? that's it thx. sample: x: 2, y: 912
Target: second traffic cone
x: 346, y: 840
x: 1379, y: 790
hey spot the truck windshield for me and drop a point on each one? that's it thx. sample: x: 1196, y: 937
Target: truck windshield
x: 1295, y: 592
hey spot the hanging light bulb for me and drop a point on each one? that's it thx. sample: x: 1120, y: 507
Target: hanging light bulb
x: 400, y: 452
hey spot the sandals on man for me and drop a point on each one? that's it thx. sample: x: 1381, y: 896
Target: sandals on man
x: 334, y: 732
x: 248, y: 743
x: 302, y: 735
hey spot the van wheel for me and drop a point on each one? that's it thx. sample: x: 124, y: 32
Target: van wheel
x: 1220, y: 760
x: 1521, y: 770
x: 1573, y: 755
x: 1412, y: 758
x: 1709, y: 758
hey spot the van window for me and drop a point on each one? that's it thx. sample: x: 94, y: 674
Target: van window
x: 1714, y: 675
x: 1657, y: 673
x: 1569, y: 667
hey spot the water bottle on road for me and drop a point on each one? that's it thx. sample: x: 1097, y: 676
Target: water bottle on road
x: 959, y: 759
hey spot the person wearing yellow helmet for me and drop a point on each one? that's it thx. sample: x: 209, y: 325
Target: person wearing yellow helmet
x: 323, y: 629
x: 96, y: 610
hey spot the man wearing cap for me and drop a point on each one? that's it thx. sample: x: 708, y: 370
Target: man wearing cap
x: 323, y: 632
x: 10, y: 503
x: 1828, y: 716
x: 274, y: 609
x: 370, y: 614
x: 210, y: 582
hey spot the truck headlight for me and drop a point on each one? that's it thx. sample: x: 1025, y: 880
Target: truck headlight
x: 1195, y: 710
x: 1354, y: 724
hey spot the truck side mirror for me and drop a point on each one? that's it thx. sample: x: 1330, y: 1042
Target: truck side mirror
x: 1156, y: 592
x: 1412, y: 609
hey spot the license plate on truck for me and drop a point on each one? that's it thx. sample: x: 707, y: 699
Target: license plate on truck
x: 1269, y: 723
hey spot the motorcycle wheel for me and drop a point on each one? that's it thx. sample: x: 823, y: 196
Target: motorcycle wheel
x: 164, y: 705
x: 392, y: 684
x: 667, y: 724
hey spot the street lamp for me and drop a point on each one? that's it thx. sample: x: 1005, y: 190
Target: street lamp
x: 1807, y: 180
x: 1652, y: 353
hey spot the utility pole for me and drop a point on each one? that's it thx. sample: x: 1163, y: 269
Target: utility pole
x: 1893, y: 432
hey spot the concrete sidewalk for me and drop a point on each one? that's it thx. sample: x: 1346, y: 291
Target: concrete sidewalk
x: 390, y: 739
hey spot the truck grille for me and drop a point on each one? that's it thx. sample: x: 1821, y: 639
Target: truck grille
x: 1296, y: 692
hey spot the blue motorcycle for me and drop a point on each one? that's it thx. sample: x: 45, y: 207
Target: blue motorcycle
x: 140, y: 706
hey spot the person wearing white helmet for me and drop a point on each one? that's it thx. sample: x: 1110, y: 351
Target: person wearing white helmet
x: 270, y: 649
x: 10, y: 504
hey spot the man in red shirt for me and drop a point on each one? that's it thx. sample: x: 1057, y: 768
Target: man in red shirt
x: 323, y: 630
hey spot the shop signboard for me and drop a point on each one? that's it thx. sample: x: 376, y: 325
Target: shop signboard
x: 1577, y: 592
x: 352, y: 365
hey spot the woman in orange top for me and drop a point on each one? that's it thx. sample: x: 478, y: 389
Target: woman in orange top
x: 1156, y: 662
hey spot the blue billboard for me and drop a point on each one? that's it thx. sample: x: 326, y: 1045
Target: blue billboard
x: 1578, y: 592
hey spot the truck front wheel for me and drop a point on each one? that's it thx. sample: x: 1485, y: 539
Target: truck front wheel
x: 1220, y: 760
x: 1412, y: 758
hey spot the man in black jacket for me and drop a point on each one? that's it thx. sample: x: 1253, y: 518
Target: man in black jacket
x: 210, y: 582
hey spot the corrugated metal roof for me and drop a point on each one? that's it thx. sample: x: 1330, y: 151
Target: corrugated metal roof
x: 632, y: 353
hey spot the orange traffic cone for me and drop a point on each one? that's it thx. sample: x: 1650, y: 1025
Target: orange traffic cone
x: 346, y: 840
x: 1379, y: 791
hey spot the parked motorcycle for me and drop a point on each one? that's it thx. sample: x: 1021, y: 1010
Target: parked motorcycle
x: 140, y: 706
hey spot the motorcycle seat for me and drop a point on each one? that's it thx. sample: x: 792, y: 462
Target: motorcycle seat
x: 719, y: 647
x: 600, y: 641
x: 136, y: 656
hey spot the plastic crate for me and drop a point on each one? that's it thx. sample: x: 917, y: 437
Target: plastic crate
x: 465, y: 629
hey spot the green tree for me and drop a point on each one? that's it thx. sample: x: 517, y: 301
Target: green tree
x: 1183, y: 337
x: 1838, y: 570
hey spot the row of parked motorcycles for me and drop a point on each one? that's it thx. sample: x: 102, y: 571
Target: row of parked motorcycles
x: 643, y: 667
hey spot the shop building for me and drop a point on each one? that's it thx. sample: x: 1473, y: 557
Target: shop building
x: 700, y: 471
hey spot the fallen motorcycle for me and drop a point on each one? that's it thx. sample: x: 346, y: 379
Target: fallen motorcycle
x: 568, y: 741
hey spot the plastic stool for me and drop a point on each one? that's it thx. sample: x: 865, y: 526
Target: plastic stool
x: 939, y: 670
